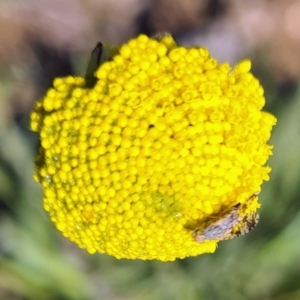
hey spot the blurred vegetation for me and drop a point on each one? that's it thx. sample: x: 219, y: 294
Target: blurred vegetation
x: 48, y: 39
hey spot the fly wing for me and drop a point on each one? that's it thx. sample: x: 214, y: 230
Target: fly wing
x: 218, y: 230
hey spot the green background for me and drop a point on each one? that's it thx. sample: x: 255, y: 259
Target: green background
x: 41, y: 41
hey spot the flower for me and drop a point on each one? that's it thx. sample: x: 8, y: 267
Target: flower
x: 164, y: 141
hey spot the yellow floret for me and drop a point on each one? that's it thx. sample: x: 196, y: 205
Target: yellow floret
x: 164, y: 139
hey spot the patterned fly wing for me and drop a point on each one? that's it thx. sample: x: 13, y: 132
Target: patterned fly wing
x: 229, y: 226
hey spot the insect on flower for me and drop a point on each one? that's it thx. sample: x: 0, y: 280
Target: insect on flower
x: 231, y: 225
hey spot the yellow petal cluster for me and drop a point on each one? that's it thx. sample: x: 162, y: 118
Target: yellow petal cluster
x: 166, y: 138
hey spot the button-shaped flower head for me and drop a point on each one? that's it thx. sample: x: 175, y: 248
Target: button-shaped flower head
x: 161, y: 149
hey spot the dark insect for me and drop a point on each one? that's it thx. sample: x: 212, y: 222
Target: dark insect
x: 223, y: 228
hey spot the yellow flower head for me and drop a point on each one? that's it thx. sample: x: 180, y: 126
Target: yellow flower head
x: 164, y: 148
